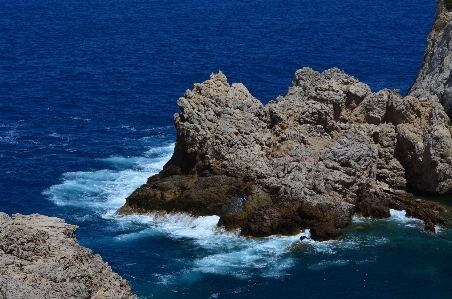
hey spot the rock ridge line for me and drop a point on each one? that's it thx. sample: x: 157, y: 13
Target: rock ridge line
x: 435, y: 74
x: 41, y: 258
x: 312, y: 159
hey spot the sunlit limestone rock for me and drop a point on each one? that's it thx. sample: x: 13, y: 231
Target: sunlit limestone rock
x: 309, y: 160
x: 41, y: 258
x: 435, y: 74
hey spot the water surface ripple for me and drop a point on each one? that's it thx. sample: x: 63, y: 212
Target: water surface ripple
x: 87, y: 94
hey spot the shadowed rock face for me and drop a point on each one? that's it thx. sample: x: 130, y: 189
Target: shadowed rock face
x: 435, y: 74
x: 312, y: 159
x: 40, y: 258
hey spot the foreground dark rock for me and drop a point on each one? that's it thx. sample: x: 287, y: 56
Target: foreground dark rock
x: 312, y: 159
x: 435, y: 76
x: 40, y: 258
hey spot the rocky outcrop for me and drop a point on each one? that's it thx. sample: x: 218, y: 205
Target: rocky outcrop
x: 40, y: 258
x: 435, y: 74
x: 312, y: 159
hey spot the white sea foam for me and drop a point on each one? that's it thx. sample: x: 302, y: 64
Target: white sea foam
x: 400, y: 218
x: 164, y: 150
x: 97, y: 189
x: 237, y: 256
x: 107, y: 189
x: 178, y: 225
x: 227, y: 252
x: 102, y: 192
x: 399, y: 215
x: 395, y: 216
x: 438, y: 229
x: 358, y: 219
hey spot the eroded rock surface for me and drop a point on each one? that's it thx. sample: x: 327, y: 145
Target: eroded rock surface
x: 41, y: 258
x: 312, y: 159
x: 435, y: 74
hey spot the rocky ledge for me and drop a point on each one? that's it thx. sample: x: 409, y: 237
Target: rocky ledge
x: 312, y: 159
x: 41, y: 258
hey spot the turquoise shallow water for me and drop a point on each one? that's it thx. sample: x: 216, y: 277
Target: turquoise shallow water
x: 87, y: 94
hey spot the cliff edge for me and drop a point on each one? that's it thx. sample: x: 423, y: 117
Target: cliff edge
x: 435, y: 74
x: 40, y: 258
x: 312, y: 159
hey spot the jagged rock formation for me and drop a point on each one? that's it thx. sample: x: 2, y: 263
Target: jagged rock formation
x: 435, y: 74
x: 312, y: 159
x: 40, y: 258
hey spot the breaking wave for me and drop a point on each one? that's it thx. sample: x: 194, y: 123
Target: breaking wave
x: 102, y: 192
x: 106, y: 189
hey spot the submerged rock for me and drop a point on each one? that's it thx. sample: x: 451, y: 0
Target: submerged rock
x: 312, y: 159
x: 41, y: 258
x: 435, y: 74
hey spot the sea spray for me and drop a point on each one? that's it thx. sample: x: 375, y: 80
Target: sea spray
x: 106, y: 189
x: 227, y: 253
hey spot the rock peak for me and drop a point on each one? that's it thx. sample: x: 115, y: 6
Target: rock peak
x: 435, y: 74
x: 219, y: 77
x: 312, y: 159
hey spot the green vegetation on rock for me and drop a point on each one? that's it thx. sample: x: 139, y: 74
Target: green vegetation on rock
x: 448, y: 4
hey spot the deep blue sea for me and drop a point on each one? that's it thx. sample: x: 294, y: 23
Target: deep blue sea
x: 88, y: 90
